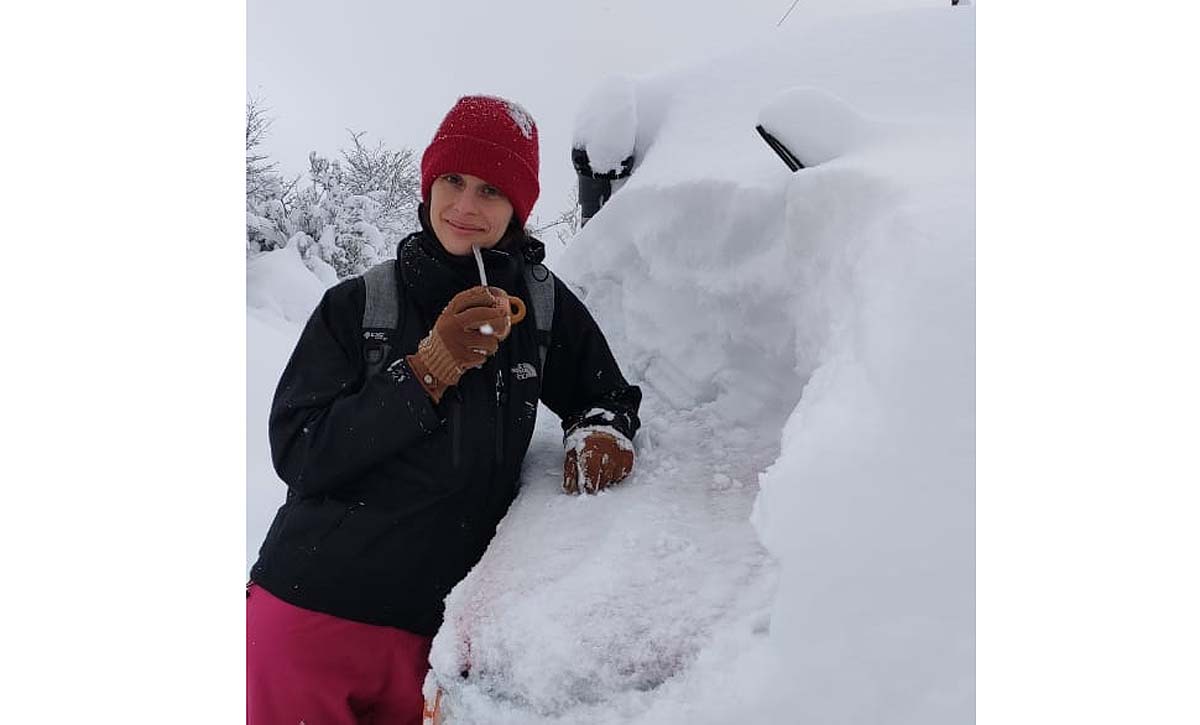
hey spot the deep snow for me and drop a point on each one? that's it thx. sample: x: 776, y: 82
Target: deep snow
x: 796, y: 543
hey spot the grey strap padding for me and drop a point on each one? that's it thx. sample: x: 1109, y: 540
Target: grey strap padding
x: 541, y: 292
x: 382, y: 310
x: 381, y: 315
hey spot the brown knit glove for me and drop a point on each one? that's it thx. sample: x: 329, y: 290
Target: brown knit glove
x: 596, y: 460
x: 455, y: 344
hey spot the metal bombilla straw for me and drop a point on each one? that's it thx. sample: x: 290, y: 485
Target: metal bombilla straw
x: 518, y: 313
x: 486, y: 329
x: 479, y: 263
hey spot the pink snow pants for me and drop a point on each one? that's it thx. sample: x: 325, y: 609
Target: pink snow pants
x: 309, y: 668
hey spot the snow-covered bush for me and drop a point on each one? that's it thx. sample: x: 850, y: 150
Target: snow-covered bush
x: 266, y: 189
x: 351, y: 215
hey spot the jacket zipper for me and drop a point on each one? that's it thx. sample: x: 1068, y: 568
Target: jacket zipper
x: 501, y: 395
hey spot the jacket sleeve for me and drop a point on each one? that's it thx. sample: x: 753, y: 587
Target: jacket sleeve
x: 583, y: 384
x: 329, y: 424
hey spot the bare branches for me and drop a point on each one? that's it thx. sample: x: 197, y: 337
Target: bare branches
x: 566, y: 224
x: 257, y: 122
x: 390, y: 176
x: 261, y: 174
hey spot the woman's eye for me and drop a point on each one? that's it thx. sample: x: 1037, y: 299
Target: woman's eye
x: 454, y: 179
x: 490, y: 191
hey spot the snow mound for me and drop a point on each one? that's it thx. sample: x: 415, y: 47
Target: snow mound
x: 279, y: 283
x: 806, y: 346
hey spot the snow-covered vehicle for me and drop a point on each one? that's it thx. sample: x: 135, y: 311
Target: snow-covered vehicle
x: 796, y: 543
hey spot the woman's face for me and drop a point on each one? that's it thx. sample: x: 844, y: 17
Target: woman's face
x: 466, y: 210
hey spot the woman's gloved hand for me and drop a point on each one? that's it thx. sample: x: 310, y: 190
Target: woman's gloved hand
x: 596, y: 459
x: 456, y: 343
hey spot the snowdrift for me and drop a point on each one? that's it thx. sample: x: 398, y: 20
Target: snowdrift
x: 806, y: 345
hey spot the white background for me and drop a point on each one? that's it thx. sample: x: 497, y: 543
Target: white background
x: 124, y: 363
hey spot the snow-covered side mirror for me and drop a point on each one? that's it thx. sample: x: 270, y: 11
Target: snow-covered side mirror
x: 603, y: 148
x: 597, y: 188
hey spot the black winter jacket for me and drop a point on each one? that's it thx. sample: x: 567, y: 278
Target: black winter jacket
x: 392, y: 499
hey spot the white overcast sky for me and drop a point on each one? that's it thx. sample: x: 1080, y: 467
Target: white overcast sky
x: 393, y: 68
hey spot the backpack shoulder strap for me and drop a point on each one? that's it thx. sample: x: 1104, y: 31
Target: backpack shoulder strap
x: 540, y: 282
x: 381, y: 315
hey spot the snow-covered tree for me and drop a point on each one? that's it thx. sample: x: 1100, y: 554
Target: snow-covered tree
x: 391, y: 178
x: 266, y: 190
x: 338, y: 226
x: 260, y: 171
x: 353, y: 213
x: 359, y: 207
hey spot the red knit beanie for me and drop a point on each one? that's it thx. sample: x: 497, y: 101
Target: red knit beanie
x: 491, y: 138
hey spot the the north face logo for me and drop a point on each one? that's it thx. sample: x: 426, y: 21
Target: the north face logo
x: 524, y: 371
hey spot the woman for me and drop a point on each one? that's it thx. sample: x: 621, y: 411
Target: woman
x: 397, y: 478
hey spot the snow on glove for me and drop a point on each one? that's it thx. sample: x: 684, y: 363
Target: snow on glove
x: 596, y: 459
x: 456, y: 343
